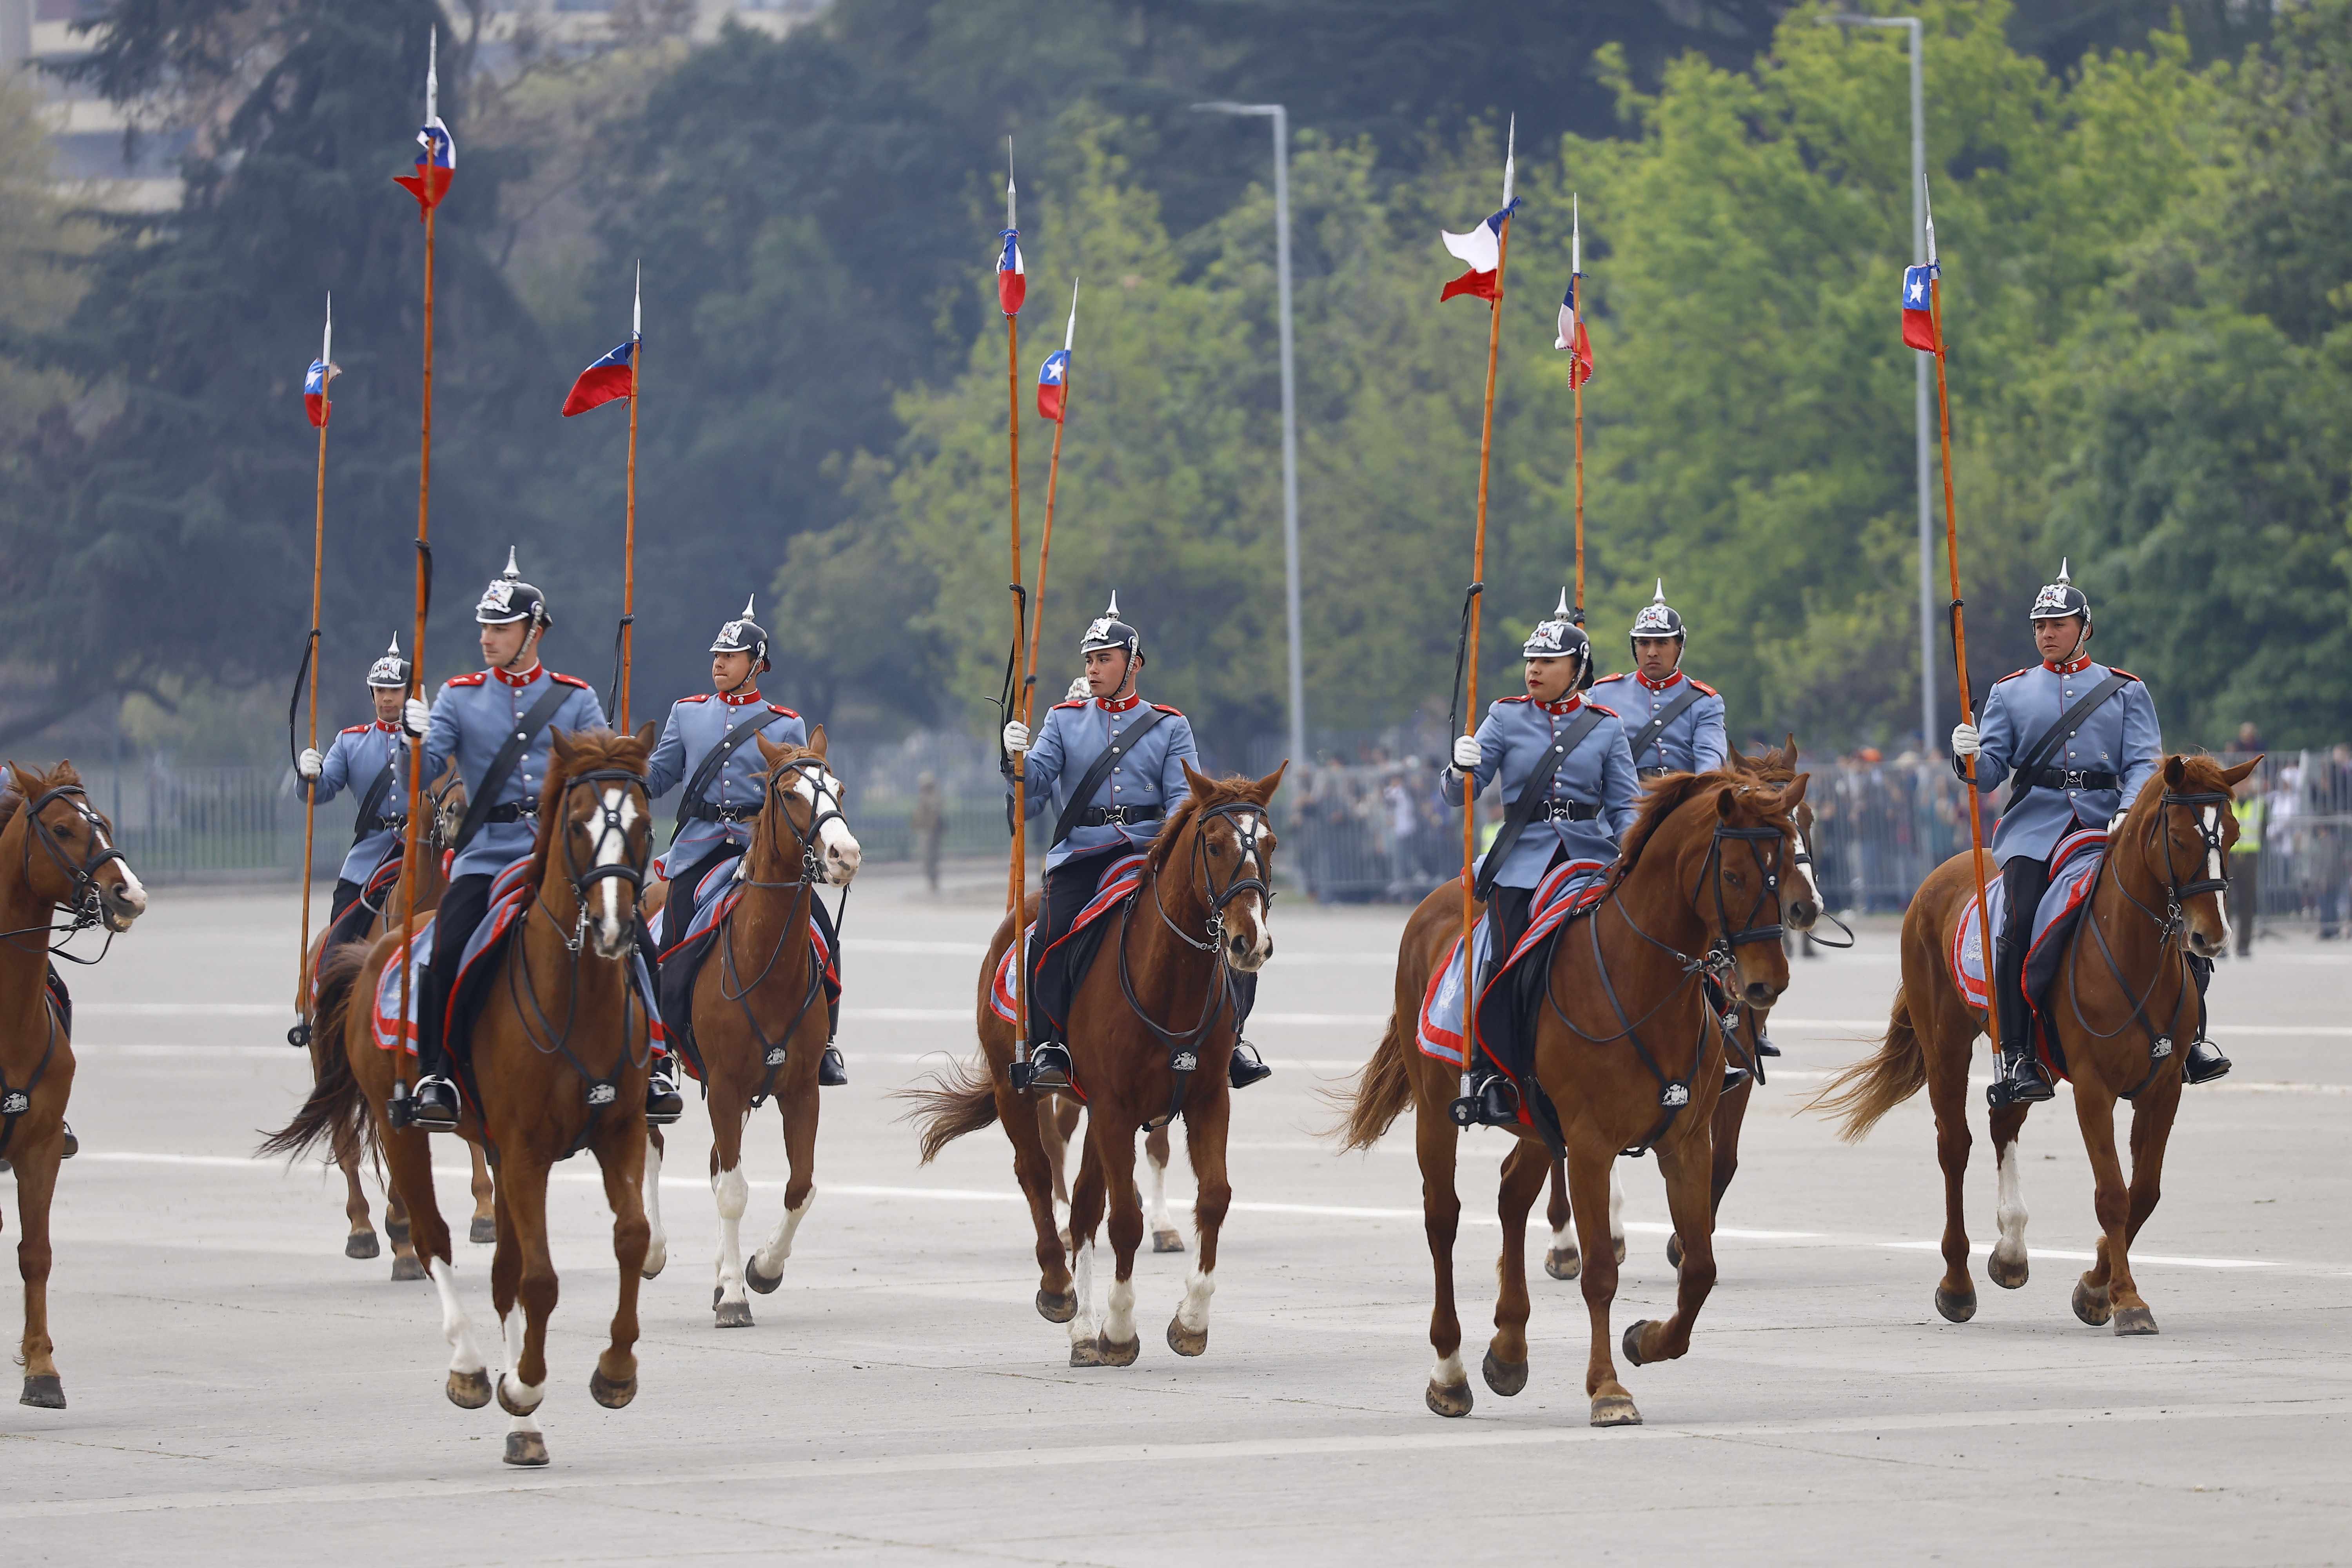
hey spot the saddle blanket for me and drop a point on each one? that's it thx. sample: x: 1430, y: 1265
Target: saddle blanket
x: 2074, y: 866
x: 1121, y: 879
x: 510, y: 896
x: 1567, y: 889
x: 681, y: 961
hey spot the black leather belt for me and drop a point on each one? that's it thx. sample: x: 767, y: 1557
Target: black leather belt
x: 1120, y: 815
x: 1652, y: 773
x: 707, y: 812
x: 1568, y: 811
x: 382, y: 824
x: 2073, y: 778
x: 513, y: 811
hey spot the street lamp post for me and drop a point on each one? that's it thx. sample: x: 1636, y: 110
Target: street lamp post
x: 1920, y: 400
x: 1281, y: 117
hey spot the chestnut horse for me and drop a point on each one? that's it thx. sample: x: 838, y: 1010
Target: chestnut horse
x: 561, y: 1051
x: 1155, y: 995
x: 2121, y: 1002
x: 759, y: 1023
x: 448, y: 794
x: 56, y: 852
x: 1626, y: 1048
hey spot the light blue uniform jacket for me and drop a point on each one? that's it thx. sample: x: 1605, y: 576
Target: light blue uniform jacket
x: 696, y: 726
x: 2121, y: 738
x: 472, y: 717
x: 352, y: 761
x: 1514, y: 737
x: 1148, y: 777
x: 1694, y: 742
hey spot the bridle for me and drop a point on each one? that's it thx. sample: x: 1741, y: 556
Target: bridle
x: 824, y: 806
x: 1250, y: 875
x: 2169, y: 924
x: 84, y: 900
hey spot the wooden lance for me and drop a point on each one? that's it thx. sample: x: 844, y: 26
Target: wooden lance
x: 629, y: 545
x: 1057, y: 366
x: 1011, y: 283
x: 325, y: 372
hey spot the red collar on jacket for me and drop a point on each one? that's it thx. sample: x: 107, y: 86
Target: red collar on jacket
x: 525, y: 678
x: 1658, y: 685
x: 1121, y: 706
x: 2074, y: 666
x: 740, y: 699
x: 1574, y: 700
x: 387, y: 729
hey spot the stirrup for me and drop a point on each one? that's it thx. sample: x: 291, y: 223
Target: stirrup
x: 2020, y: 1082
x: 1493, y: 1101
x: 1246, y: 1068
x: 2205, y: 1063
x: 832, y: 1071
x: 1733, y: 1077
x: 1049, y: 1066
x: 664, y: 1104
x: 73, y: 1144
x: 432, y: 1104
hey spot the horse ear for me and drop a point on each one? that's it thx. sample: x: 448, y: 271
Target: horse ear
x: 2175, y: 771
x: 1726, y: 801
x: 562, y: 744
x: 770, y: 753
x: 1793, y: 796
x: 2235, y: 776
x: 816, y: 740
x: 1262, y: 791
x: 1197, y: 780
x: 646, y: 735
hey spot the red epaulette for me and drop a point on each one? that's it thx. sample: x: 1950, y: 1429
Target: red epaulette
x: 1171, y: 712
x: 780, y: 707
x: 2013, y: 674
x: 698, y: 697
x: 1598, y: 708
x: 1620, y: 674
x: 358, y: 730
x: 1075, y: 702
x: 2126, y: 674
x: 1704, y: 686
x: 570, y: 681
x: 476, y: 679
x: 1522, y: 697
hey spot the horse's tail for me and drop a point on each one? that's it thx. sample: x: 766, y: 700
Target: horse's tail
x: 1382, y: 1089
x: 951, y: 1103
x: 1869, y: 1089
x: 337, y: 1108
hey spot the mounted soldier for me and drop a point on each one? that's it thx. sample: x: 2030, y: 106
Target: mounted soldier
x: 1672, y: 723
x: 2077, y: 740
x: 1113, y: 765
x: 495, y: 726
x: 1573, y: 752
x: 367, y: 757
x: 706, y: 743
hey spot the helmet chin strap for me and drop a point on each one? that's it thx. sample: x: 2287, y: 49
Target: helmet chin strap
x: 529, y: 649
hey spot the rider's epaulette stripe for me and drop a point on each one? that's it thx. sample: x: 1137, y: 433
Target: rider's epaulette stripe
x: 1620, y: 674
x: 698, y: 697
x: 780, y: 707
x: 1522, y: 697
x: 1704, y: 686
x: 358, y: 730
x: 570, y: 681
x: 1171, y: 712
x: 476, y: 679
x: 1598, y: 707
x: 1074, y: 702
x: 2013, y: 674
x: 2126, y: 674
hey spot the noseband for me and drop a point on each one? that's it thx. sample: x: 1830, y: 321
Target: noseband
x: 825, y: 807
x: 84, y: 899
x: 632, y: 871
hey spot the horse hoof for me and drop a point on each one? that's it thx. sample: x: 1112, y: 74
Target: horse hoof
x: 732, y: 1314
x: 469, y: 1390
x: 481, y: 1233
x: 1505, y: 1377
x: 1119, y: 1356
x: 1631, y: 1342
x: 765, y: 1284
x: 2135, y: 1321
x: 2092, y: 1306
x: 1674, y: 1252
x: 1057, y: 1308
x: 526, y: 1448
x: 1184, y: 1340
x: 360, y: 1243
x: 1617, y: 1245
x: 2008, y: 1276
x: 1167, y: 1241
x: 515, y: 1406
x: 1956, y: 1307
x: 1085, y: 1353
x: 608, y: 1392
x: 44, y: 1391
x: 405, y: 1267
x: 1449, y: 1399
x: 1563, y: 1263
x: 1615, y: 1410
x: 656, y: 1259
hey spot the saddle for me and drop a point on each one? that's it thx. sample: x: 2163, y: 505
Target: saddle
x: 681, y: 960
x: 2074, y: 871
x: 1075, y: 948
x: 1568, y: 891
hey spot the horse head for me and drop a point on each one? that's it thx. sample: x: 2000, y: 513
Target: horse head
x: 595, y: 803
x: 1729, y: 866
x: 810, y: 800
x: 446, y: 798
x: 2179, y: 838
x: 1225, y: 835
x: 77, y: 867
x: 1776, y: 765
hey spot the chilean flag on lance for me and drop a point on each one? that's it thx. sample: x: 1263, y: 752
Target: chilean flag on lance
x: 615, y: 374
x: 1012, y: 276
x: 323, y: 371
x: 1053, y: 375
x: 437, y: 165
x: 1482, y: 247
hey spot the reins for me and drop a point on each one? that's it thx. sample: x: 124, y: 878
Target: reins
x: 84, y: 899
x: 799, y: 910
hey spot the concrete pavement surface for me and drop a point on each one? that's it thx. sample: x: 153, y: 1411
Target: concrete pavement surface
x: 241, y: 1392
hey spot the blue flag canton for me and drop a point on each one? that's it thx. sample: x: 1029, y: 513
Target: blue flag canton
x: 314, y: 384
x: 1057, y: 369
x: 619, y: 356
x: 1916, y: 293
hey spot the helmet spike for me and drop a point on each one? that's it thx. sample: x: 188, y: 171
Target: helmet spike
x: 2062, y: 569
x: 512, y: 571
x: 1113, y: 611
x: 1660, y: 596
x: 748, y: 602
x: 393, y: 650
x: 1561, y: 612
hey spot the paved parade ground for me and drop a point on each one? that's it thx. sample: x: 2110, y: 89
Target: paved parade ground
x: 241, y: 1392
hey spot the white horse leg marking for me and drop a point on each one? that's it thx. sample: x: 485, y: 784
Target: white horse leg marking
x: 1082, y: 1286
x: 1195, y: 1313
x: 1118, y: 1324
x: 733, y: 1191
x: 657, y: 1246
x: 2010, y: 1212
x: 464, y: 1356
x: 771, y: 1258
x: 527, y: 1394
x: 1616, y: 1204
x: 1448, y: 1373
x: 1563, y: 1237
x: 1159, y: 1219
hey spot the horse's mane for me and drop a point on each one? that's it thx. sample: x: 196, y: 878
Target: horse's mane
x: 1664, y: 797
x: 1221, y: 792
x: 595, y: 749
x: 787, y: 753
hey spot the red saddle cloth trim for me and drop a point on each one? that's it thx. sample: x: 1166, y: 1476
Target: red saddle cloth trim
x: 1120, y: 882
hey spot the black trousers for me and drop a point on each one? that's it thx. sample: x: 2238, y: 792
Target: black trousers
x: 462, y: 908
x: 347, y: 893
x: 2023, y: 881
x: 1069, y: 887
x: 1507, y: 1014
x: 679, y: 912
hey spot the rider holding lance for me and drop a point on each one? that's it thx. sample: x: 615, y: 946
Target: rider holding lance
x: 365, y: 757
x: 706, y: 743
x: 2077, y: 740
x: 495, y: 726
x: 1134, y: 754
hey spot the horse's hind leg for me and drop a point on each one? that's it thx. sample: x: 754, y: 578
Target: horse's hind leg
x: 1165, y: 1236
x: 1058, y: 1119
x: 2008, y: 1264
x: 1588, y: 1187
x: 526, y: 1445
x: 1948, y: 1094
x: 658, y: 1241
x: 622, y: 1155
x: 1524, y: 1170
x: 409, y: 1159
x: 1688, y: 1167
x: 1206, y: 1123
x: 485, y: 1226
x: 1434, y: 1137
x: 362, y: 1240
x: 36, y: 1181
x: 404, y: 1266
x: 1057, y: 1302
x: 1561, y: 1259
x: 1112, y: 1143
x: 1087, y: 1196
x: 765, y: 1270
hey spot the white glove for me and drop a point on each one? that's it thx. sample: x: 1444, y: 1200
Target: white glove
x: 1964, y: 742
x: 308, y: 763
x: 1465, y: 751
x: 1016, y: 738
x: 415, y: 716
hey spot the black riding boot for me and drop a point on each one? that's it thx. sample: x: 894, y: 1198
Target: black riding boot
x: 2205, y: 1062
x: 664, y: 1104
x: 832, y: 1070
x: 2021, y: 1081
x: 433, y: 1103
x: 1492, y: 1099
x: 1049, y: 1065
x: 1246, y: 1068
